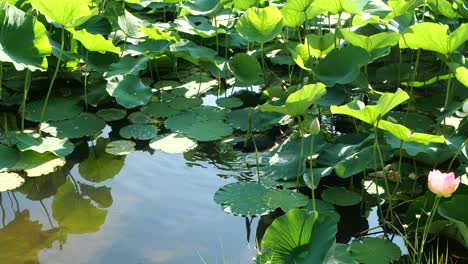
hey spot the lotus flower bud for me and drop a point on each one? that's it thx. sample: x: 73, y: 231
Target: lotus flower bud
x: 443, y: 184
x: 314, y: 127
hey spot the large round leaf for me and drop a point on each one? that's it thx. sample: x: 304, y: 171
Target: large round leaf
x: 23, y: 39
x: 260, y: 24
x: 454, y: 211
x: 128, y: 90
x: 201, y: 123
x: 300, y: 236
x: 10, y: 181
x: 58, y: 146
x: 57, y: 109
x: 85, y: 124
x: 139, y: 131
x: 243, y: 198
x: 342, y: 65
x: 70, y: 13
x: 172, y: 143
x: 111, y: 114
x: 8, y: 157
x: 245, y: 68
x: 260, y: 121
x: 365, y: 251
x: 120, y: 147
x: 340, y: 196
x: 37, y: 164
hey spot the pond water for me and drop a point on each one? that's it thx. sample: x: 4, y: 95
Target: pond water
x: 161, y: 211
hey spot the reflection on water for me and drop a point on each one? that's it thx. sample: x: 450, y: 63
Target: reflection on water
x: 142, y: 208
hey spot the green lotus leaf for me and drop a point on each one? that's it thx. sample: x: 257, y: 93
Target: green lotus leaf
x: 403, y: 133
x: 371, y: 113
x: 443, y: 7
x: 243, y: 198
x: 198, y: 25
x: 320, y: 45
x: 156, y: 34
x: 128, y: 90
x: 294, y: 12
x: 111, y: 114
x: 260, y: 24
x: 245, y: 68
x: 120, y: 147
x: 10, y: 181
x: 342, y: 65
x: 94, y: 42
x: 340, y: 255
x: 58, y: 108
x: 229, y: 102
x: 100, y: 165
x: 364, y: 251
x: 139, y: 131
x: 59, y: 147
x: 373, y: 42
x: 70, y: 13
x: 337, y: 6
x: 460, y: 71
x: 284, y: 162
x: 285, y: 199
x: 23, y: 50
x: 341, y: 196
x: 201, y: 123
x: 127, y: 65
x: 8, y: 157
x: 414, y: 121
x: 139, y: 118
x: 203, y: 7
x: 37, y: 164
x: 172, y: 143
x: 260, y: 121
x: 453, y: 210
x: 85, y: 124
x: 298, y: 102
x: 434, y: 37
x: 74, y: 213
x: 172, y: 107
x: 299, y: 236
x: 131, y: 25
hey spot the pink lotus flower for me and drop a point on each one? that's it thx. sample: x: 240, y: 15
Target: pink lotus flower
x: 443, y: 184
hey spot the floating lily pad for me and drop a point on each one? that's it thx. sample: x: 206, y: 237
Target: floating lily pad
x: 341, y: 196
x: 139, y: 118
x: 261, y: 121
x: 201, y: 123
x: 139, y: 131
x: 8, y: 157
x: 365, y: 251
x: 10, y: 181
x: 172, y: 107
x: 57, y: 109
x: 172, y: 143
x: 120, y: 147
x: 111, y: 114
x: 37, y: 164
x: 243, y: 198
x: 58, y: 146
x: 85, y: 124
x: 229, y: 102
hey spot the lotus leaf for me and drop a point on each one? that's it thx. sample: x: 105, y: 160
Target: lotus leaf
x: 172, y: 143
x: 23, y: 50
x: 10, y: 181
x: 364, y: 251
x: 260, y: 24
x: 85, y: 124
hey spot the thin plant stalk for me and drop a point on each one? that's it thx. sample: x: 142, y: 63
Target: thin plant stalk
x: 49, y: 91
x: 312, y: 183
x: 27, y: 84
